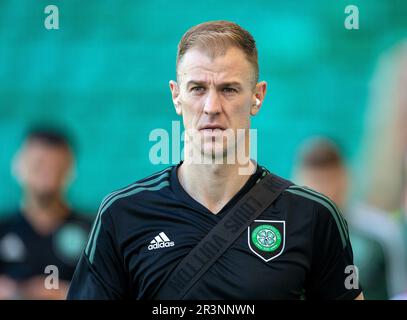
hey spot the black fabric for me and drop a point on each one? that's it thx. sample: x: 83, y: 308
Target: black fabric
x: 247, y: 209
x: 24, y: 253
x: 119, y: 264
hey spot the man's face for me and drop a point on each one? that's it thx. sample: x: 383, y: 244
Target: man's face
x: 213, y: 95
x: 43, y: 169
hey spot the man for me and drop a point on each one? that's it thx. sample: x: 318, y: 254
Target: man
x: 321, y: 167
x: 45, y: 233
x: 298, y: 247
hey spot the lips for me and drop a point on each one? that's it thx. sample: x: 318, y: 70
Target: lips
x: 212, y: 127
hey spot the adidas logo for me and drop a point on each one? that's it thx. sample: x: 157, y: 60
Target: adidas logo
x: 160, y: 241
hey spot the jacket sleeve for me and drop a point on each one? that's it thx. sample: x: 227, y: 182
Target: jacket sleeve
x: 100, y: 273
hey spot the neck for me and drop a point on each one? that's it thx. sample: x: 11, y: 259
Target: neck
x: 44, y: 215
x: 214, y: 185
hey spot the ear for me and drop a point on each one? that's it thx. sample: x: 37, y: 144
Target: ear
x: 71, y: 175
x: 258, y: 97
x: 17, y: 166
x: 175, y: 96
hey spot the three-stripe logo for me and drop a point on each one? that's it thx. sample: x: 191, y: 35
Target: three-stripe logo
x: 160, y: 241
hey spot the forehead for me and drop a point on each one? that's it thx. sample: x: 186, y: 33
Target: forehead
x: 198, y: 65
x: 39, y: 148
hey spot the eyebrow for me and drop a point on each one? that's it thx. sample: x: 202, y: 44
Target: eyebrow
x: 223, y: 84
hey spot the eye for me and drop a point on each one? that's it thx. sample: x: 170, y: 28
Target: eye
x: 229, y: 90
x: 197, y: 89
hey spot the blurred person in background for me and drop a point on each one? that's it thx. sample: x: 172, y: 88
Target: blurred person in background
x: 384, y: 149
x: 45, y: 230
x: 320, y: 166
x: 403, y: 217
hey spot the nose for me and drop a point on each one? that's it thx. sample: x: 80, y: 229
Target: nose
x: 212, y: 103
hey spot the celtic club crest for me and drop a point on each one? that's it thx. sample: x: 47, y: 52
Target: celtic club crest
x: 266, y: 238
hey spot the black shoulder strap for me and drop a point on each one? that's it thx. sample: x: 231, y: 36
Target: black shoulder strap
x: 219, y: 239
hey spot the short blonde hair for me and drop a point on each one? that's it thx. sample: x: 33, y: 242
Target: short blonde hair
x: 215, y: 37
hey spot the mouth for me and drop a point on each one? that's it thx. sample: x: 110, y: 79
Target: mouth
x: 211, y: 127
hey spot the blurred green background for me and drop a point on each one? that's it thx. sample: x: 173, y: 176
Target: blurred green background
x: 104, y: 77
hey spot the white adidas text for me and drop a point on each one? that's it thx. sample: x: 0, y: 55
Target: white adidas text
x: 160, y: 241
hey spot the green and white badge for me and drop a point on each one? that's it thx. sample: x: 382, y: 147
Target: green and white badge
x: 266, y: 238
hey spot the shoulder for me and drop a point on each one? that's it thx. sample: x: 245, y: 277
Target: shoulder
x: 113, y: 207
x: 132, y: 193
x: 325, y: 212
x: 304, y: 194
